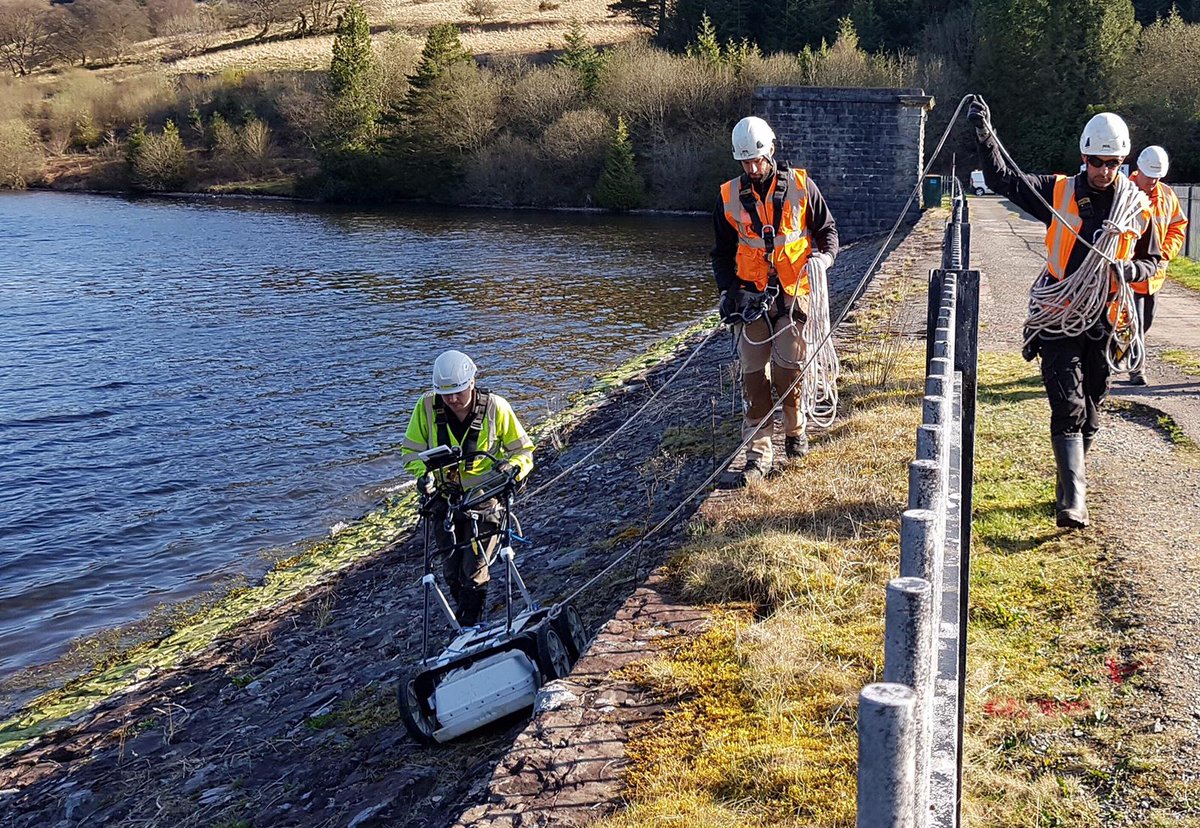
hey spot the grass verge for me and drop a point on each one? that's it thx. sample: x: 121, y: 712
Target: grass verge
x: 1186, y: 272
x: 116, y: 669
x: 760, y: 728
x: 1184, y: 360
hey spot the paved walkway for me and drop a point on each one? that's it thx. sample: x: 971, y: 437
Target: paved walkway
x: 1144, y: 491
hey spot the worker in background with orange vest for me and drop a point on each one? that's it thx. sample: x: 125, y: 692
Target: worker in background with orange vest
x: 1075, y: 369
x: 772, y: 225
x: 1170, y: 224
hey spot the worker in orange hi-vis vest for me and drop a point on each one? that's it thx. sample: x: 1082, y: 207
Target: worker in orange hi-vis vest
x: 772, y: 227
x: 1075, y: 360
x: 1170, y: 224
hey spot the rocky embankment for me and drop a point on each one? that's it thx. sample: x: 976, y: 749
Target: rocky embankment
x: 292, y: 721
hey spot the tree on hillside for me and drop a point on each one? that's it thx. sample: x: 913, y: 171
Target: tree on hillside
x: 443, y: 49
x: 27, y: 30
x: 353, y: 84
x: 1043, y: 65
x: 620, y: 186
x: 1160, y: 93
x: 102, y: 30
x: 652, y: 14
x: 582, y: 57
x: 263, y: 14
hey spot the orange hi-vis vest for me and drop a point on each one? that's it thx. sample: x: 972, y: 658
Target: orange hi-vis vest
x: 1060, y: 241
x: 792, y: 243
x: 1170, y: 224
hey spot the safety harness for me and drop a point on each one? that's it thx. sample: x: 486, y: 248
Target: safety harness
x: 760, y: 303
x: 470, y: 441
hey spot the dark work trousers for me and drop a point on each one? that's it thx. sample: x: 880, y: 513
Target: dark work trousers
x: 466, y: 567
x: 1145, y: 309
x: 1075, y: 373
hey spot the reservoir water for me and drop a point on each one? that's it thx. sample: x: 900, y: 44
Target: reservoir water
x: 189, y: 387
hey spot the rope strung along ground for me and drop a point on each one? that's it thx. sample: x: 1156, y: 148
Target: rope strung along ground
x: 814, y: 350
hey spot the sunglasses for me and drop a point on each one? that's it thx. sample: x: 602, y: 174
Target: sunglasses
x: 1097, y: 162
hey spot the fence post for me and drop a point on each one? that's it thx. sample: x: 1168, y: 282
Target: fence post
x: 886, y: 756
x: 908, y: 659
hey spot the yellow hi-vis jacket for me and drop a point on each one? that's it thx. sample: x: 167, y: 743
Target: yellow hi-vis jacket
x: 1171, y: 224
x: 494, y: 429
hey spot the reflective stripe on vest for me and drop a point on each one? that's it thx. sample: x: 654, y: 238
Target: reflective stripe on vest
x: 792, y: 238
x: 1165, y: 210
x: 1060, y: 241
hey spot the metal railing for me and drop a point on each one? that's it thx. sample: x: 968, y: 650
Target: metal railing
x: 1189, y: 202
x: 910, y: 726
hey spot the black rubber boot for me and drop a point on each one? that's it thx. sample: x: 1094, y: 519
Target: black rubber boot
x: 1071, y: 509
x: 470, y: 605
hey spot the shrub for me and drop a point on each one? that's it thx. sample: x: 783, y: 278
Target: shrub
x: 398, y: 55
x: 687, y: 170
x: 468, y: 107
x: 160, y: 162
x: 541, y: 97
x: 507, y: 172
x: 576, y: 145
x: 547, y: 5
x: 148, y: 97
x: 661, y: 94
x: 620, y: 187
x: 69, y: 111
x: 21, y: 155
x: 481, y: 10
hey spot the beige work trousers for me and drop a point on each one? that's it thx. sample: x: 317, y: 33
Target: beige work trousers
x: 777, y: 363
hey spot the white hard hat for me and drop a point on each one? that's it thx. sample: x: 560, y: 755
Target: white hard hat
x: 1153, y: 162
x: 752, y: 138
x: 1105, y: 134
x: 452, y: 372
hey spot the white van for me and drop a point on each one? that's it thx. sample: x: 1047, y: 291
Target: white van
x: 978, y: 185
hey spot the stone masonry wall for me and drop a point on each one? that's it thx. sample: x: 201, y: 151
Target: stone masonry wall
x: 863, y: 147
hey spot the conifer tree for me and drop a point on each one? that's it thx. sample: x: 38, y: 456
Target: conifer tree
x: 353, y: 84
x: 620, y: 187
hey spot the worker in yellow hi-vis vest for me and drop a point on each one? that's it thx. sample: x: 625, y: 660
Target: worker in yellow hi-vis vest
x: 457, y: 413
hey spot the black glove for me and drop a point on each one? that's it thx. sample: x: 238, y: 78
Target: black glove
x: 980, y: 117
x: 1124, y: 272
x: 426, y: 485
x: 729, y: 305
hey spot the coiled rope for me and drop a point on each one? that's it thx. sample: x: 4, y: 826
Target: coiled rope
x: 1071, y: 306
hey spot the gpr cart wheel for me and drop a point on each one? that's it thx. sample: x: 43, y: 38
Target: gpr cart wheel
x: 979, y: 191
x: 553, y: 659
x: 418, y: 719
x: 569, y: 626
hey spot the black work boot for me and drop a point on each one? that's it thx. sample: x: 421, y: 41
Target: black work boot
x: 1071, y: 506
x: 796, y: 447
x: 754, y: 472
x: 470, y: 605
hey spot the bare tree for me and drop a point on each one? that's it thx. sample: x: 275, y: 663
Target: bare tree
x: 105, y: 29
x: 481, y: 10
x: 27, y: 29
x: 266, y: 13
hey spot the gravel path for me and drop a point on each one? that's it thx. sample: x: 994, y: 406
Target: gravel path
x: 1144, y: 491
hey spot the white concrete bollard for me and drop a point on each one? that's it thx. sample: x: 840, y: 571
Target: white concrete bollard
x: 920, y: 545
x: 886, y: 756
x: 930, y: 443
x: 925, y: 486
x: 908, y: 659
